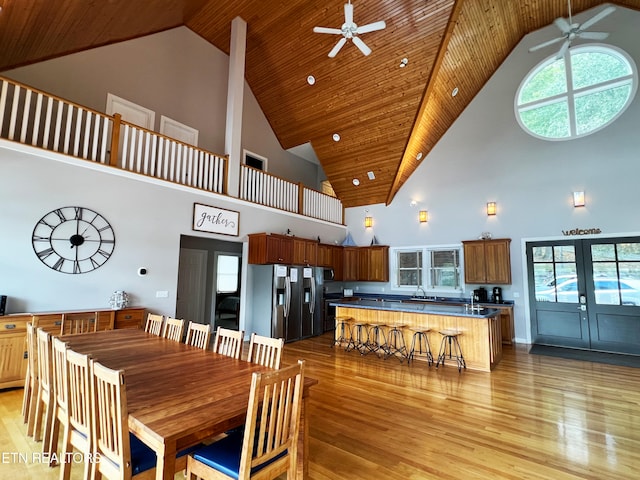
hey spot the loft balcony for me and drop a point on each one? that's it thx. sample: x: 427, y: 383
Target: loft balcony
x: 33, y: 117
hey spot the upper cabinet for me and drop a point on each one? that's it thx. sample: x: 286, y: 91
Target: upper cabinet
x: 305, y: 252
x: 270, y: 249
x: 487, y: 261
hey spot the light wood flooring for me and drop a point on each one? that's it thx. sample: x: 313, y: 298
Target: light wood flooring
x: 533, y: 417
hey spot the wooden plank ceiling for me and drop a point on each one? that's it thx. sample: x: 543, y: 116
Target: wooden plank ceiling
x: 384, y: 114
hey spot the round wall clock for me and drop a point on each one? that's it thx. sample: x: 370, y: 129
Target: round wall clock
x: 73, y: 240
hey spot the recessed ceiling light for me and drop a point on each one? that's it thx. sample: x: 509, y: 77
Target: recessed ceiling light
x: 419, y: 156
x: 454, y: 92
x: 336, y: 137
x: 403, y: 62
x: 356, y: 182
x: 311, y: 79
x: 371, y: 175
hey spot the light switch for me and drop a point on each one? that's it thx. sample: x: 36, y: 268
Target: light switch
x: 162, y: 294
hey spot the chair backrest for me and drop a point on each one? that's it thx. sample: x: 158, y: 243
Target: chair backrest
x: 110, y: 422
x: 154, y: 324
x: 173, y: 329
x: 265, y: 351
x: 273, y: 419
x: 45, y: 368
x: 84, y: 322
x: 59, y: 364
x: 32, y: 351
x: 198, y: 335
x: 228, y: 342
x: 79, y: 392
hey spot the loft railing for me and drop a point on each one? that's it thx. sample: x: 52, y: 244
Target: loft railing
x: 36, y: 118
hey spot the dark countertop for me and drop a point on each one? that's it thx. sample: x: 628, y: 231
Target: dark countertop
x: 409, y: 298
x: 417, y: 307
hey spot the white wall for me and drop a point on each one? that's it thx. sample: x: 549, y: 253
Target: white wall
x: 486, y: 156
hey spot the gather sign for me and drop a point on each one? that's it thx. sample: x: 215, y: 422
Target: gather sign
x: 215, y: 220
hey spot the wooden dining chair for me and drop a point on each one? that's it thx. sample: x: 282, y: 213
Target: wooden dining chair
x: 45, y: 402
x: 228, y: 342
x: 121, y: 454
x: 30, y: 394
x: 267, y: 447
x: 198, y: 335
x: 61, y: 397
x: 154, y: 324
x: 265, y: 351
x: 78, y: 428
x: 84, y: 322
x: 173, y: 329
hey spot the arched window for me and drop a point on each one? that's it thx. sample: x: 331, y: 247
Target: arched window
x: 578, y: 94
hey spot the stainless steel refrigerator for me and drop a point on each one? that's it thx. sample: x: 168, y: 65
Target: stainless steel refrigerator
x: 295, y: 299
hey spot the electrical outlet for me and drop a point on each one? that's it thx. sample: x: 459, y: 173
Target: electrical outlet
x: 516, y: 294
x: 162, y: 294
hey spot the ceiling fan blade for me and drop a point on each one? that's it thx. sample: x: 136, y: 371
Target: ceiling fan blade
x: 562, y: 24
x: 334, y: 51
x: 335, y: 31
x: 563, y: 49
x: 597, y: 17
x: 361, y: 45
x: 371, y: 27
x: 593, y: 35
x: 348, y: 13
x: 546, y: 44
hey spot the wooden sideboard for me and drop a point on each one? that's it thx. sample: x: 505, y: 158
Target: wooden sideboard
x: 13, y: 334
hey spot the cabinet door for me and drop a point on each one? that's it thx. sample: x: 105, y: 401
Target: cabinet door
x: 305, y: 252
x: 337, y: 262
x: 350, y: 263
x: 498, y: 261
x: 13, y: 348
x: 474, y: 262
x: 130, y: 318
x: 325, y: 255
x: 363, y: 264
x: 378, y: 263
x: 279, y: 249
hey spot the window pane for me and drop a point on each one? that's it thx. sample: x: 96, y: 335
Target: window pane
x: 408, y: 278
x: 227, y: 274
x: 604, y: 252
x: 564, y: 253
x: 591, y: 68
x: 605, y: 269
x: 542, y: 254
x: 551, y: 121
x: 548, y: 82
x: 596, y: 109
x: 409, y: 259
x: 629, y: 251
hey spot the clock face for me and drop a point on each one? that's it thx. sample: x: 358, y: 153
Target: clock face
x: 73, y: 240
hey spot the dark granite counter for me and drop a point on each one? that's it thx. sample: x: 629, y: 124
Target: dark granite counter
x: 418, y: 307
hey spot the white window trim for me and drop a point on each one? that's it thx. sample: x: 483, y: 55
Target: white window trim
x: 426, y: 259
x: 265, y: 161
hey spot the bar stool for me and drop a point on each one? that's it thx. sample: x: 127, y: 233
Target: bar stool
x: 344, y: 329
x: 359, y: 338
x: 377, y: 339
x: 423, y: 347
x: 450, y: 337
x: 395, y: 342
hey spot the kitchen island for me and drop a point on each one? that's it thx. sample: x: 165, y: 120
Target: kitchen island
x: 480, y: 339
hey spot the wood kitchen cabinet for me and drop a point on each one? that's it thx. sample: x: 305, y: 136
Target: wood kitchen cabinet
x: 487, y: 261
x: 325, y: 255
x: 267, y: 249
x: 506, y: 321
x: 350, y: 264
x: 337, y: 263
x: 305, y: 252
x: 366, y: 264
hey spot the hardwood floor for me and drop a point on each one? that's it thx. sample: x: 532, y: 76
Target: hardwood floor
x: 533, y: 417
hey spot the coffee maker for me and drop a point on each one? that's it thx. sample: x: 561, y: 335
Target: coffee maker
x: 497, y: 295
x: 480, y: 295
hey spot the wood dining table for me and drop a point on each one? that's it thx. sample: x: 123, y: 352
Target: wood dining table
x: 178, y: 395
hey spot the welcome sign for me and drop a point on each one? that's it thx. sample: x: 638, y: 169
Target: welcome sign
x: 215, y: 220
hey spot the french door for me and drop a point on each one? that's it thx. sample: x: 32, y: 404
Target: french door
x: 585, y: 293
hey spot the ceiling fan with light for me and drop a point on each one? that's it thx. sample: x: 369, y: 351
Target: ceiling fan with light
x: 350, y: 30
x: 571, y: 31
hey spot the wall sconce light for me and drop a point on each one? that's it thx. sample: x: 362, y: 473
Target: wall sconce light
x: 368, y: 222
x: 491, y: 208
x: 423, y: 216
x: 578, y: 199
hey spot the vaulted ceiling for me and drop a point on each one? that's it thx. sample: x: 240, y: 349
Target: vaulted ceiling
x: 385, y: 115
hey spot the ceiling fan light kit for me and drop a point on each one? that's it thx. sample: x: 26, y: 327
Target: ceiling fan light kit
x: 571, y: 31
x: 350, y: 31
